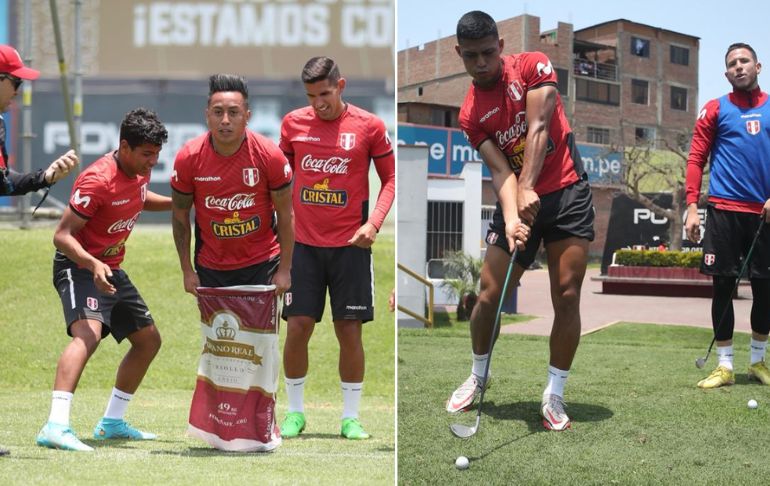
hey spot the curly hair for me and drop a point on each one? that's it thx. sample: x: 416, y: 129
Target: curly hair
x: 476, y: 25
x: 142, y: 126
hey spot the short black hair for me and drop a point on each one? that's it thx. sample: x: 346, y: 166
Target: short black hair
x: 142, y: 126
x: 320, y: 68
x: 476, y: 25
x: 228, y: 82
x: 740, y: 45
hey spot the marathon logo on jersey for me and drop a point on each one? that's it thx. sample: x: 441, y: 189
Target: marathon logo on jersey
x: 514, y: 90
x: 709, y: 259
x: 321, y: 195
x: 235, y: 228
x: 123, y: 224
x: 332, y: 165
x: 753, y: 127
x: 143, y: 192
x: 488, y: 114
x: 251, y: 176
x: 347, y: 140
x: 236, y: 202
x: 92, y: 303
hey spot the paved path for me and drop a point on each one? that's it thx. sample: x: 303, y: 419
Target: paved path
x: 599, y: 310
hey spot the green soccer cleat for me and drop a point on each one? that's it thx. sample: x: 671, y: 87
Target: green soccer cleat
x: 758, y: 371
x: 108, y: 428
x: 57, y: 436
x: 721, y: 376
x: 352, y: 429
x: 293, y: 425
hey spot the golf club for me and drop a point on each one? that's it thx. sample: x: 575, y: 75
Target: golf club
x: 464, y: 431
x: 701, y: 362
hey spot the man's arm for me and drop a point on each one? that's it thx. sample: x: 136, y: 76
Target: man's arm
x: 505, y: 184
x: 157, y: 202
x: 386, y: 169
x: 285, y: 213
x: 702, y: 139
x: 16, y: 184
x: 65, y: 241
x: 180, y: 226
x: 540, y: 106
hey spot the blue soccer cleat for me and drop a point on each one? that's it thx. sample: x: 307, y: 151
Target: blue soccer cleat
x: 108, y: 428
x: 57, y: 436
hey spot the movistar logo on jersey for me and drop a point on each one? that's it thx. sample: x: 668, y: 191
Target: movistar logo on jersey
x: 234, y: 227
x: 321, y: 195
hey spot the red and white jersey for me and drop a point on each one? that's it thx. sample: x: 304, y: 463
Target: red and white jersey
x: 499, y: 114
x: 231, y: 194
x: 111, y: 202
x: 331, y: 164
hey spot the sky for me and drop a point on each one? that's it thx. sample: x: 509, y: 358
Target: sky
x: 717, y: 25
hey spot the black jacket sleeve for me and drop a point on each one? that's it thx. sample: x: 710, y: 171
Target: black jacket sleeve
x: 15, y: 184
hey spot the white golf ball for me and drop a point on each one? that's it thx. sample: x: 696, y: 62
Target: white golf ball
x: 752, y: 404
x: 462, y: 462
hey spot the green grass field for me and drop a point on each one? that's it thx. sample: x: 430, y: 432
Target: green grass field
x: 638, y: 417
x: 33, y: 336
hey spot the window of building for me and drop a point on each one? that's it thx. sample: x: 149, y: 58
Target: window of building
x: 445, y: 228
x: 640, y: 91
x: 562, y: 81
x: 419, y: 91
x: 441, y: 117
x: 598, y: 135
x: 680, y: 55
x: 640, y: 47
x: 597, y: 91
x: 678, y: 98
x: 644, y: 135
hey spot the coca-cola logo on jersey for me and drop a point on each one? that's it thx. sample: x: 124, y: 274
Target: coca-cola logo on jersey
x: 332, y: 165
x: 123, y: 224
x: 513, y: 132
x: 236, y: 202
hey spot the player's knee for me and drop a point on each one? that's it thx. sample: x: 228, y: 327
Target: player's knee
x: 567, y: 300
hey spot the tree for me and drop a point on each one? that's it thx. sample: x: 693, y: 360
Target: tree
x: 462, y: 277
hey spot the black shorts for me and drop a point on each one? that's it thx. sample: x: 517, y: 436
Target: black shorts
x: 257, y: 274
x: 565, y: 213
x: 347, y: 272
x: 727, y: 240
x: 121, y: 314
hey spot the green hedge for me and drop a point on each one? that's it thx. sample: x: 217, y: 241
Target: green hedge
x: 655, y: 258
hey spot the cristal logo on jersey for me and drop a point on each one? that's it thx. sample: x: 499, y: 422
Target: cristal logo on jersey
x: 753, y: 127
x: 83, y: 201
x: 236, y: 202
x: 251, y: 176
x: 321, y: 195
x: 332, y: 165
x: 234, y: 227
x: 347, y: 140
x: 709, y: 259
x: 514, y: 90
x: 123, y: 224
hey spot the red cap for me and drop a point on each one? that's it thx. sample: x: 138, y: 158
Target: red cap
x: 11, y: 63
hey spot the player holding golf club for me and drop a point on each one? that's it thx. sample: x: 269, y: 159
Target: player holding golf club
x: 734, y: 133
x: 513, y: 116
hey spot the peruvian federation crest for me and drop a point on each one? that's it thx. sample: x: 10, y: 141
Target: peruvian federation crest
x: 251, y: 176
x: 143, y: 192
x: 753, y: 127
x: 347, y: 140
x: 709, y: 259
x: 515, y: 91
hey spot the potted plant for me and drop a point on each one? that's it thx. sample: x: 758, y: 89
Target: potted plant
x: 462, y: 277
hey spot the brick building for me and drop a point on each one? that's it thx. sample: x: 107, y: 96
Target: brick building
x: 622, y: 83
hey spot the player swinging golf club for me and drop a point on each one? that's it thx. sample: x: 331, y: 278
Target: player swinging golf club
x: 733, y: 133
x: 514, y: 117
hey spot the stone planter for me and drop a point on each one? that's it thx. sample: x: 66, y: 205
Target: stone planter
x: 662, y: 281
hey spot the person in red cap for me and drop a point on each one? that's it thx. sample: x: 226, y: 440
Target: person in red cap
x: 13, y: 73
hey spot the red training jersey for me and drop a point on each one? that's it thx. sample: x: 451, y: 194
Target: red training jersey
x: 331, y: 160
x: 231, y: 194
x: 499, y: 114
x: 111, y: 202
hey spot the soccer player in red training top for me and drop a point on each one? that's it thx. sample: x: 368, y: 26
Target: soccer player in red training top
x: 513, y: 116
x: 330, y: 145
x: 732, y: 133
x: 237, y: 180
x: 97, y: 296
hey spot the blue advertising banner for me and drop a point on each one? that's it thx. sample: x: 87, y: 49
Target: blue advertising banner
x: 449, y: 150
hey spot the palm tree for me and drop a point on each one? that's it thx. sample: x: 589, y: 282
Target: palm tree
x: 463, y: 273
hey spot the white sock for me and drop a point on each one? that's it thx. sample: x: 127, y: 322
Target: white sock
x: 556, y: 380
x: 116, y: 407
x: 725, y: 354
x: 351, y: 397
x: 61, y: 403
x: 479, y: 364
x: 295, y: 392
x: 758, y: 350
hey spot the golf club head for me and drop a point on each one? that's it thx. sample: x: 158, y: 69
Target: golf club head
x: 463, y: 431
x: 700, y: 363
